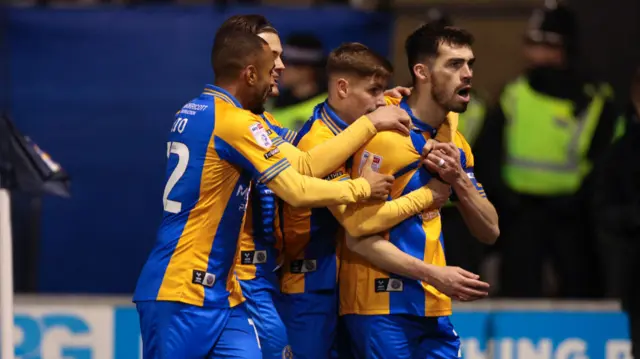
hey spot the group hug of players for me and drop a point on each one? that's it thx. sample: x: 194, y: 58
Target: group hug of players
x: 324, y: 243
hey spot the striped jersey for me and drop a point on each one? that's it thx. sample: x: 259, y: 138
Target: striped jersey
x: 367, y: 290
x: 260, y: 241
x: 215, y: 149
x: 310, y: 235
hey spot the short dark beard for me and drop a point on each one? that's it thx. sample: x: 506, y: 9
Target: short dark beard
x: 440, y: 97
x: 258, y: 109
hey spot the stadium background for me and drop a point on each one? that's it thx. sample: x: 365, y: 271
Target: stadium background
x: 96, y: 87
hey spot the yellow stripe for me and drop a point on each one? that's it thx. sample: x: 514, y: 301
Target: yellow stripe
x: 195, y: 243
x: 246, y: 243
x: 297, y: 225
x: 436, y: 303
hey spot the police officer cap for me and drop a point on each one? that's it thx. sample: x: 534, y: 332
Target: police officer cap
x: 554, y: 25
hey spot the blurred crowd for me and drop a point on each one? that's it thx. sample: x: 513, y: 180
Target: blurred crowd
x: 358, y: 4
x: 555, y: 156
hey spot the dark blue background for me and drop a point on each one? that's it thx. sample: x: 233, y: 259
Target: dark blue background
x: 97, y: 89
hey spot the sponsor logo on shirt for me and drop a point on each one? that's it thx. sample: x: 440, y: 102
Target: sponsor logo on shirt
x: 253, y: 257
x: 203, y: 278
x: 303, y: 266
x: 271, y: 153
x: 334, y: 175
x: 382, y: 285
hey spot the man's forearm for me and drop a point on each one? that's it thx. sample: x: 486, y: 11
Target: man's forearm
x: 364, y: 219
x: 386, y: 256
x: 478, y: 213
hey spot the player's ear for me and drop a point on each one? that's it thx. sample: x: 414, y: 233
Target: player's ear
x: 421, y: 72
x: 342, y: 85
x: 251, y: 75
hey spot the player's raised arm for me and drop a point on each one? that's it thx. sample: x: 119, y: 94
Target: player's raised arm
x: 324, y: 158
x: 245, y: 141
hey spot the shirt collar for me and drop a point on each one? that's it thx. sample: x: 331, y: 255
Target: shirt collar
x: 219, y: 92
x: 331, y: 119
x: 419, y: 125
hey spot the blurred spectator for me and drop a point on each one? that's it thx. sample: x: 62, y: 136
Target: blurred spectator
x: 302, y: 84
x: 616, y: 215
x: 463, y: 249
x: 536, y: 148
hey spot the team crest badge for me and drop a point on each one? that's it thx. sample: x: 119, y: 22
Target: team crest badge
x: 287, y: 353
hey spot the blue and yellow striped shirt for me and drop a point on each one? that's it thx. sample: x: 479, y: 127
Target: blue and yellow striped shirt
x: 215, y: 148
x: 367, y: 290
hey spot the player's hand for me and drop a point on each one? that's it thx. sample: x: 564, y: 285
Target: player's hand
x: 390, y: 118
x: 428, y: 147
x: 459, y: 284
x: 440, y: 191
x: 380, y: 184
x: 398, y: 92
x: 444, y: 159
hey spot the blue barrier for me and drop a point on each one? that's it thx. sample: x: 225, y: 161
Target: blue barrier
x: 498, y: 335
x: 491, y: 335
x: 97, y: 89
x: 108, y: 328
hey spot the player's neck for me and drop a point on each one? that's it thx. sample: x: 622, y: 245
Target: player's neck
x: 235, y: 91
x: 342, y: 112
x: 426, y: 109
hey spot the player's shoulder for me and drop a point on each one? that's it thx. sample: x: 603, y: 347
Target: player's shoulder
x: 234, y: 121
x: 387, y: 140
x: 269, y: 116
x: 314, y: 132
x: 466, y: 154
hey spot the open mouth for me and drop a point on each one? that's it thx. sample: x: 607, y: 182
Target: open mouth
x: 464, y: 93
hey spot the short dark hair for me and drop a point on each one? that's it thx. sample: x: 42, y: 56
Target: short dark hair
x: 251, y: 23
x: 233, y: 51
x: 356, y: 58
x: 426, y: 40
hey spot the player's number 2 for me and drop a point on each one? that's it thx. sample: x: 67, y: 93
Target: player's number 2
x: 180, y: 149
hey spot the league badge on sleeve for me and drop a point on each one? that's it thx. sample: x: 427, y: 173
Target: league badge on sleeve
x: 259, y: 132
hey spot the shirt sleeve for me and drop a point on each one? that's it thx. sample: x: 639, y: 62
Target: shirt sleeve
x: 366, y: 219
x: 303, y: 191
x: 246, y: 141
x: 285, y: 133
x: 468, y: 161
x: 325, y: 155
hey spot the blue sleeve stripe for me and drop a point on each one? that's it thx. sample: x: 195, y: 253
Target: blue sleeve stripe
x: 274, y: 170
x: 291, y: 135
x: 268, y: 171
x: 278, y: 141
